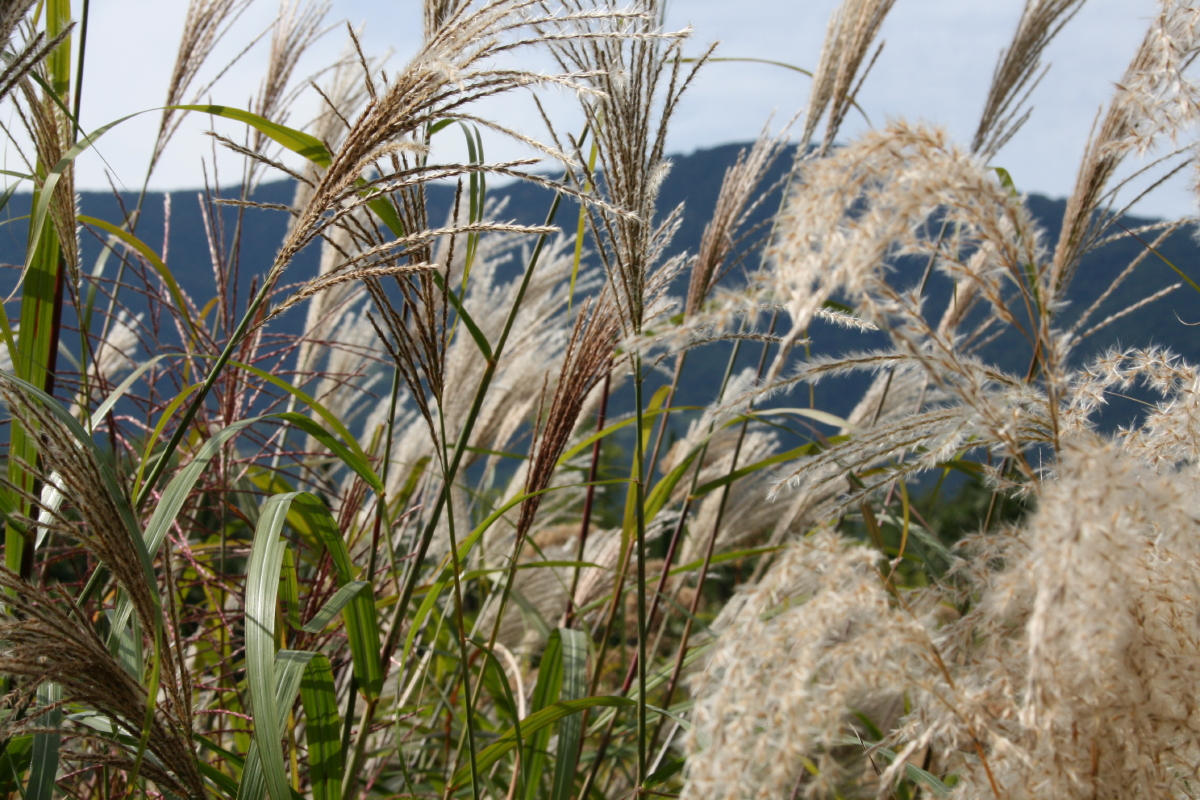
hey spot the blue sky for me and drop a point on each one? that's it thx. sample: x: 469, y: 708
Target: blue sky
x: 935, y: 66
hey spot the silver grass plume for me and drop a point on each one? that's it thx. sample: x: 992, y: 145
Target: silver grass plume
x: 1154, y: 100
x: 206, y: 24
x: 853, y: 26
x: 638, y: 76
x: 98, y: 518
x: 46, y: 640
x: 1018, y: 72
x: 816, y: 639
x: 35, y: 49
x: 51, y: 131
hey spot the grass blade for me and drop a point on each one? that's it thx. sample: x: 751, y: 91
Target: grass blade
x: 570, y: 730
x: 323, y: 730
x: 262, y: 587
x: 290, y: 666
x: 340, y: 600
x: 362, y: 625
x: 43, y: 764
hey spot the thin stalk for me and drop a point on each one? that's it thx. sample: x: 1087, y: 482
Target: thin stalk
x: 410, y: 583
x: 640, y: 517
x: 194, y: 407
x: 462, y: 632
x: 588, y: 502
x: 606, y: 738
x: 666, y: 413
x: 450, y: 470
x: 708, y: 552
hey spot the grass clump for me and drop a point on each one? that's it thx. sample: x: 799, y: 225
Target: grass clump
x: 401, y: 553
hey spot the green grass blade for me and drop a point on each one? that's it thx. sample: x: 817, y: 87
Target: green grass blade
x: 360, y: 465
x: 335, y: 424
x: 298, y: 142
x: 223, y: 782
x: 570, y: 729
x: 362, y: 625
x: 156, y: 435
x: 31, y: 362
x: 322, y: 730
x: 608, y: 430
x: 119, y: 392
x: 660, y: 495
x: 262, y: 587
x: 750, y: 469
x: 290, y: 666
x: 171, y: 501
x: 304, y: 145
x: 473, y: 328
x: 289, y: 582
x: 340, y: 600
x: 547, y: 692
x: 43, y: 764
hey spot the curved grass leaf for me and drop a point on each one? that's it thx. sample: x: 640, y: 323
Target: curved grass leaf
x: 43, y: 763
x: 340, y: 600
x: 570, y: 729
x: 322, y: 730
x: 154, y: 261
x: 545, y: 693
x: 360, y: 465
x: 156, y: 436
x: 298, y: 142
x: 348, y: 442
x: 290, y: 667
x: 262, y: 587
x: 362, y: 626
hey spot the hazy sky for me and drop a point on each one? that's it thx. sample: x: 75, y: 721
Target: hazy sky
x: 936, y: 65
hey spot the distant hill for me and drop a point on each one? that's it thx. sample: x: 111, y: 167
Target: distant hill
x: 695, y: 179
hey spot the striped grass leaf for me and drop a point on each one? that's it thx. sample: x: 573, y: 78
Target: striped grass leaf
x: 341, y: 598
x: 262, y: 587
x: 289, y: 586
x: 290, y: 668
x: 322, y: 730
x: 476, y: 195
x: 362, y: 626
x: 545, y: 693
x: 171, y: 501
x: 574, y: 647
x: 43, y: 763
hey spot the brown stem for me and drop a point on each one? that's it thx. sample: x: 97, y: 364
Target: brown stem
x: 588, y: 502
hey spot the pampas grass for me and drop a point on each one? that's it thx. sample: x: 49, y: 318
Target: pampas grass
x: 416, y: 524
